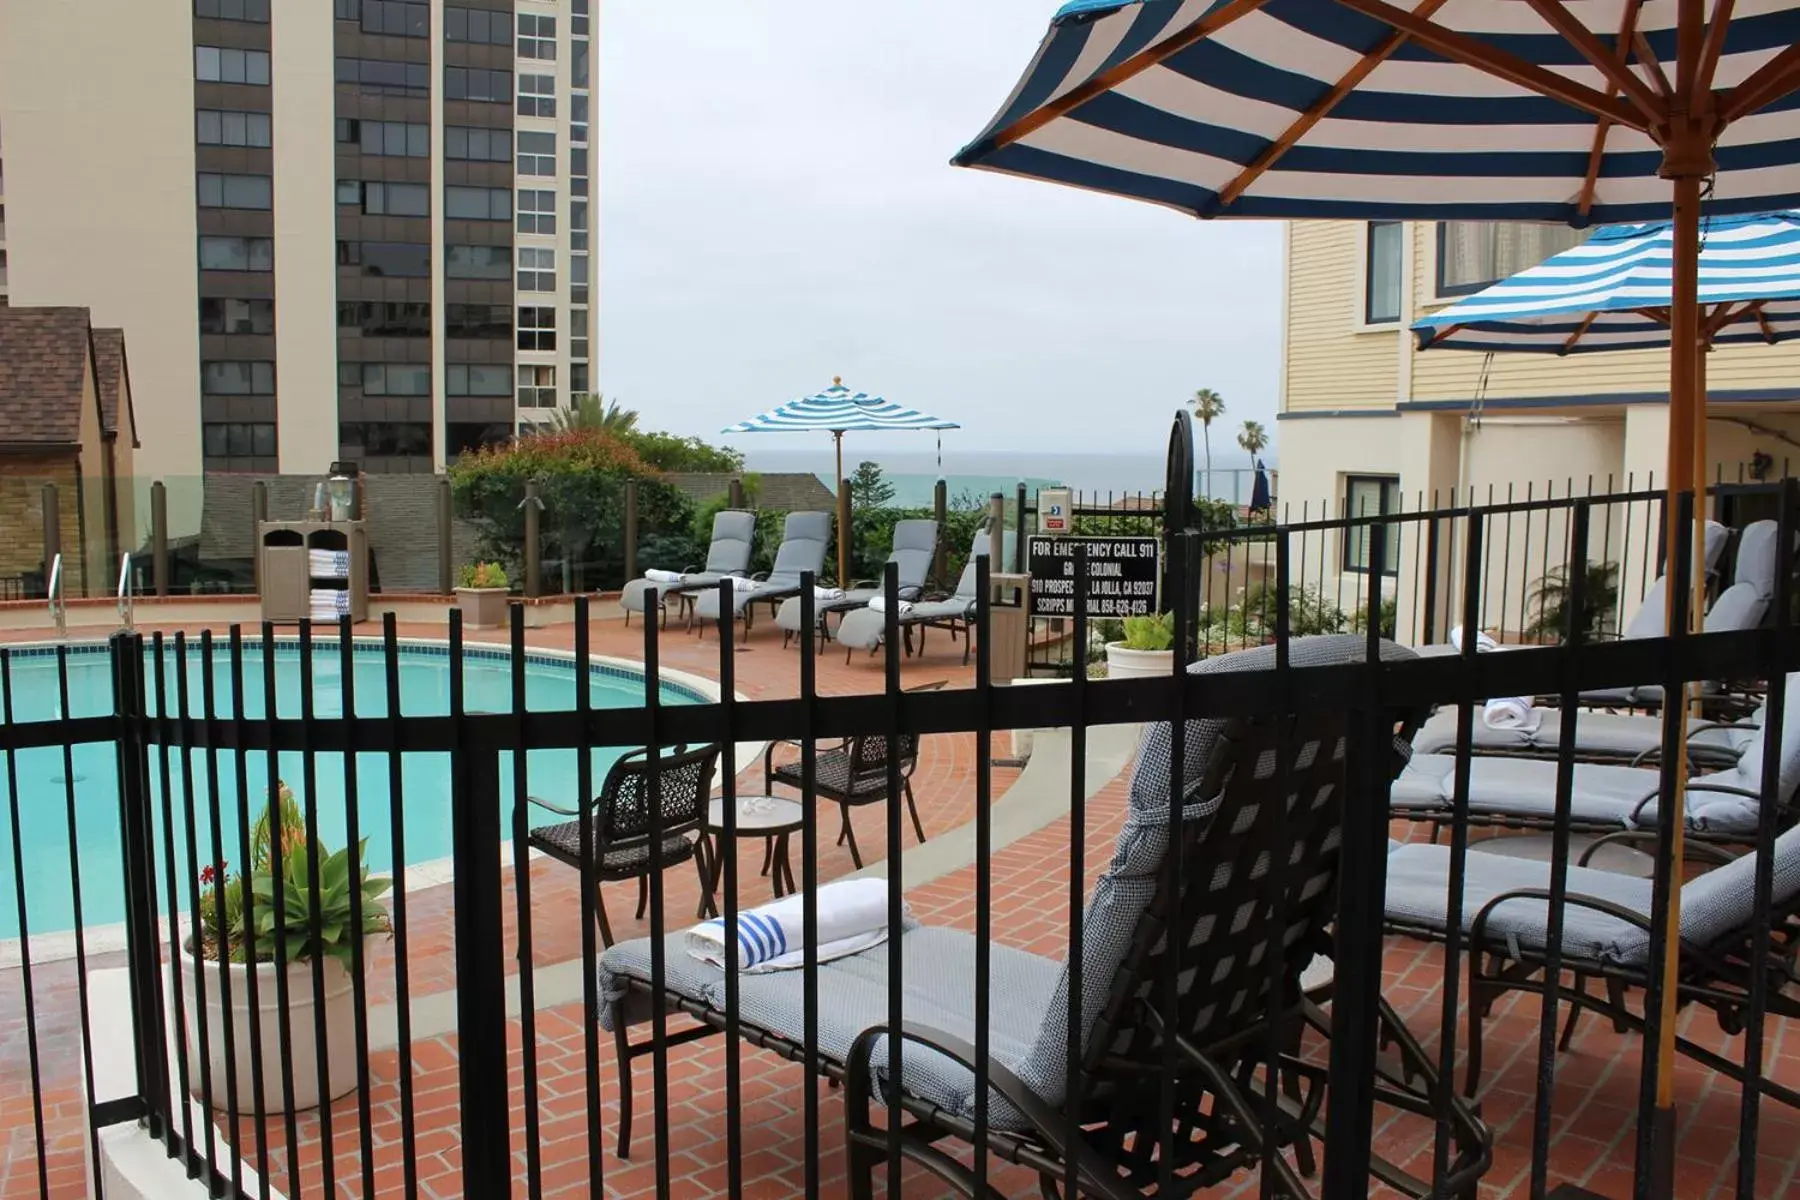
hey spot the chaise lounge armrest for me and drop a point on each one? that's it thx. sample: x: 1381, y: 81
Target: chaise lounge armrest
x: 1655, y: 752
x: 1706, y: 850
x: 1695, y: 785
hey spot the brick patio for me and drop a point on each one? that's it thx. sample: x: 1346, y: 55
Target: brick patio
x: 1592, y: 1129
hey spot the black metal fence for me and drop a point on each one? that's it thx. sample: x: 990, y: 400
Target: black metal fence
x: 1219, y: 1010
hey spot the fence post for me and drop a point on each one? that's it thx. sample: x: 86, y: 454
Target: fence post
x: 159, y: 537
x: 631, y: 529
x: 446, y: 560
x: 534, y: 550
x: 735, y: 494
x: 52, y: 532
x: 1017, y: 566
x: 138, y: 851
x: 940, y: 509
x: 259, y: 512
x: 480, y: 974
x: 996, y: 527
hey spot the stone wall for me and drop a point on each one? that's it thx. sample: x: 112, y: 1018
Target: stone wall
x: 22, y: 479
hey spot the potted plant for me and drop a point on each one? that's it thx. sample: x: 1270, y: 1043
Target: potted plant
x: 245, y: 941
x: 482, y: 595
x: 1147, y: 648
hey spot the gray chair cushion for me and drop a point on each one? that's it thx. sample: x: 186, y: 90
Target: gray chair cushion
x: 1597, y: 735
x: 915, y: 545
x: 1758, y: 557
x: 640, y: 595
x: 1601, y: 793
x: 802, y: 549
x: 733, y: 532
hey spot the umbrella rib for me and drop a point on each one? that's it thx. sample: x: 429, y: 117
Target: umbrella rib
x: 1622, y: 49
x: 1659, y: 315
x: 1606, y: 61
x: 1714, y: 47
x: 1312, y: 116
x: 1771, y: 81
x: 1472, y: 52
x: 1580, y: 331
x: 1648, y: 58
x: 1112, y: 77
x: 1762, y: 321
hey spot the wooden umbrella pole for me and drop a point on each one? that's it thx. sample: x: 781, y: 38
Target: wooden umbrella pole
x: 843, y: 513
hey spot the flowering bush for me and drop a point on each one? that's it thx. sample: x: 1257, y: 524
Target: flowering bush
x: 237, y: 920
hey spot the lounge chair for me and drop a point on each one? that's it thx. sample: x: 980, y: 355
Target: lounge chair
x: 914, y: 548
x: 1233, y: 811
x: 1520, y: 793
x: 1607, y: 926
x: 620, y: 837
x: 1599, y: 737
x: 864, y: 628
x: 732, y: 534
x: 804, y: 538
x: 1742, y: 605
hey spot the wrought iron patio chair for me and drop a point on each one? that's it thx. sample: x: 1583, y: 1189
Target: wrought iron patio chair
x: 620, y: 819
x: 1234, y: 879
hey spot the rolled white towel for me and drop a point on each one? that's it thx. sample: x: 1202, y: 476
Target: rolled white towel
x: 1482, y: 640
x: 852, y: 917
x: 655, y: 576
x: 743, y: 583
x: 879, y: 604
x: 820, y: 593
x: 1513, y: 713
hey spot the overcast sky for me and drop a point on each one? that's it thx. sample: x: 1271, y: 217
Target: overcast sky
x: 776, y: 207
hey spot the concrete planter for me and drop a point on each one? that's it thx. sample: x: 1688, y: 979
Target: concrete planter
x: 483, y: 608
x: 336, y: 998
x: 1122, y: 663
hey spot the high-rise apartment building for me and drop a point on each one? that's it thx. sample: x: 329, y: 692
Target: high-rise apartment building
x: 338, y: 229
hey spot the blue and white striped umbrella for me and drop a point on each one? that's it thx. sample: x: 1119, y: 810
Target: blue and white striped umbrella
x: 837, y: 409
x: 1366, y: 109
x: 1612, y: 292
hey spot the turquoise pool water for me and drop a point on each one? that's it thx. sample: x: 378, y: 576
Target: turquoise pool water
x: 43, y: 818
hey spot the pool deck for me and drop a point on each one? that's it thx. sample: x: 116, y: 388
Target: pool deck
x: 1593, y: 1121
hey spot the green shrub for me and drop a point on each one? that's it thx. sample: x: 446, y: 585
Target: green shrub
x: 1389, y: 616
x: 484, y: 575
x: 1151, y: 632
x: 668, y: 452
x: 1551, y: 596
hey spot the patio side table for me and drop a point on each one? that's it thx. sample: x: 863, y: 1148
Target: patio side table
x: 770, y: 818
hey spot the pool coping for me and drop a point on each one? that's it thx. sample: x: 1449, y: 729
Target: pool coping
x: 60, y: 945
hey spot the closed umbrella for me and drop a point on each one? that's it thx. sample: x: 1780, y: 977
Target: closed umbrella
x: 1577, y: 111
x: 1259, y: 490
x: 838, y: 410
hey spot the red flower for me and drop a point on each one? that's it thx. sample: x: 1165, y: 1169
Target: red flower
x: 206, y: 874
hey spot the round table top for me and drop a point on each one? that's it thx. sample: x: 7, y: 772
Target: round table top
x: 757, y: 816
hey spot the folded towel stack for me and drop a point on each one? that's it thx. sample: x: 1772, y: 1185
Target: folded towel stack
x: 1512, y: 712
x: 852, y: 917
x: 663, y: 576
x: 328, y: 604
x: 824, y: 594
x: 1482, y: 641
x: 328, y: 564
x: 879, y: 604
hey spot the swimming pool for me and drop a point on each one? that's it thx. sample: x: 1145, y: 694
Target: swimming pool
x: 424, y: 670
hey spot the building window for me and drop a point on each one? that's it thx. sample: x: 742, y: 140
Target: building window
x: 461, y: 380
x: 233, y: 10
x: 385, y: 439
x: 578, y: 334
x: 578, y: 223
x: 393, y: 260
x: 1381, y: 273
x: 537, y: 327
x: 578, y: 379
x: 476, y: 262
x: 237, y: 378
x: 537, y: 269
x: 477, y: 25
x: 379, y: 199
x: 461, y: 437
x: 477, y: 145
x: 578, y: 118
x: 237, y: 254
x: 537, y: 153
x: 215, y: 128
x: 223, y: 315
x: 537, y: 387
x: 471, y: 83
x: 537, y: 95
x: 537, y: 211
x: 381, y: 77
x: 537, y: 37
x: 348, y: 10
x: 396, y: 18
x: 234, y: 191
x: 578, y: 63
x: 386, y: 379
x: 478, y: 320
x: 1473, y: 254
x: 237, y: 440
x: 219, y: 64
x: 478, y: 204
x: 578, y: 24
x: 396, y: 139
x: 391, y: 318
x: 1369, y: 496
x: 578, y: 160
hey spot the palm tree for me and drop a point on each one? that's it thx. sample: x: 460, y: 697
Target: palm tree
x: 1208, y: 404
x: 1253, y: 437
x: 594, y: 412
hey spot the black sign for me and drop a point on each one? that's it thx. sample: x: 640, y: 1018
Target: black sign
x: 1122, y: 575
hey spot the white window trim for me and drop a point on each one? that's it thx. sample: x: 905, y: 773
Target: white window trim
x: 1359, y: 301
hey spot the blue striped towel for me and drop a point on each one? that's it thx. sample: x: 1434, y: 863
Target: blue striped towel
x: 852, y: 916
x: 329, y: 564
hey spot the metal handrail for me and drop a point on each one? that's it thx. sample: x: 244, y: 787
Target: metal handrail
x: 127, y: 596
x: 59, y: 611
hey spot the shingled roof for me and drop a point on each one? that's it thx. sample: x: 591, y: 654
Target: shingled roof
x: 794, y: 491
x: 109, y: 362
x: 45, y: 354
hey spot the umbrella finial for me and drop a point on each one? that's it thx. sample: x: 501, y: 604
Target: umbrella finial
x: 837, y: 381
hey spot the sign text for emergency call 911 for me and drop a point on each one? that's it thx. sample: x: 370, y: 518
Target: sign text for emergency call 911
x: 1122, y: 575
